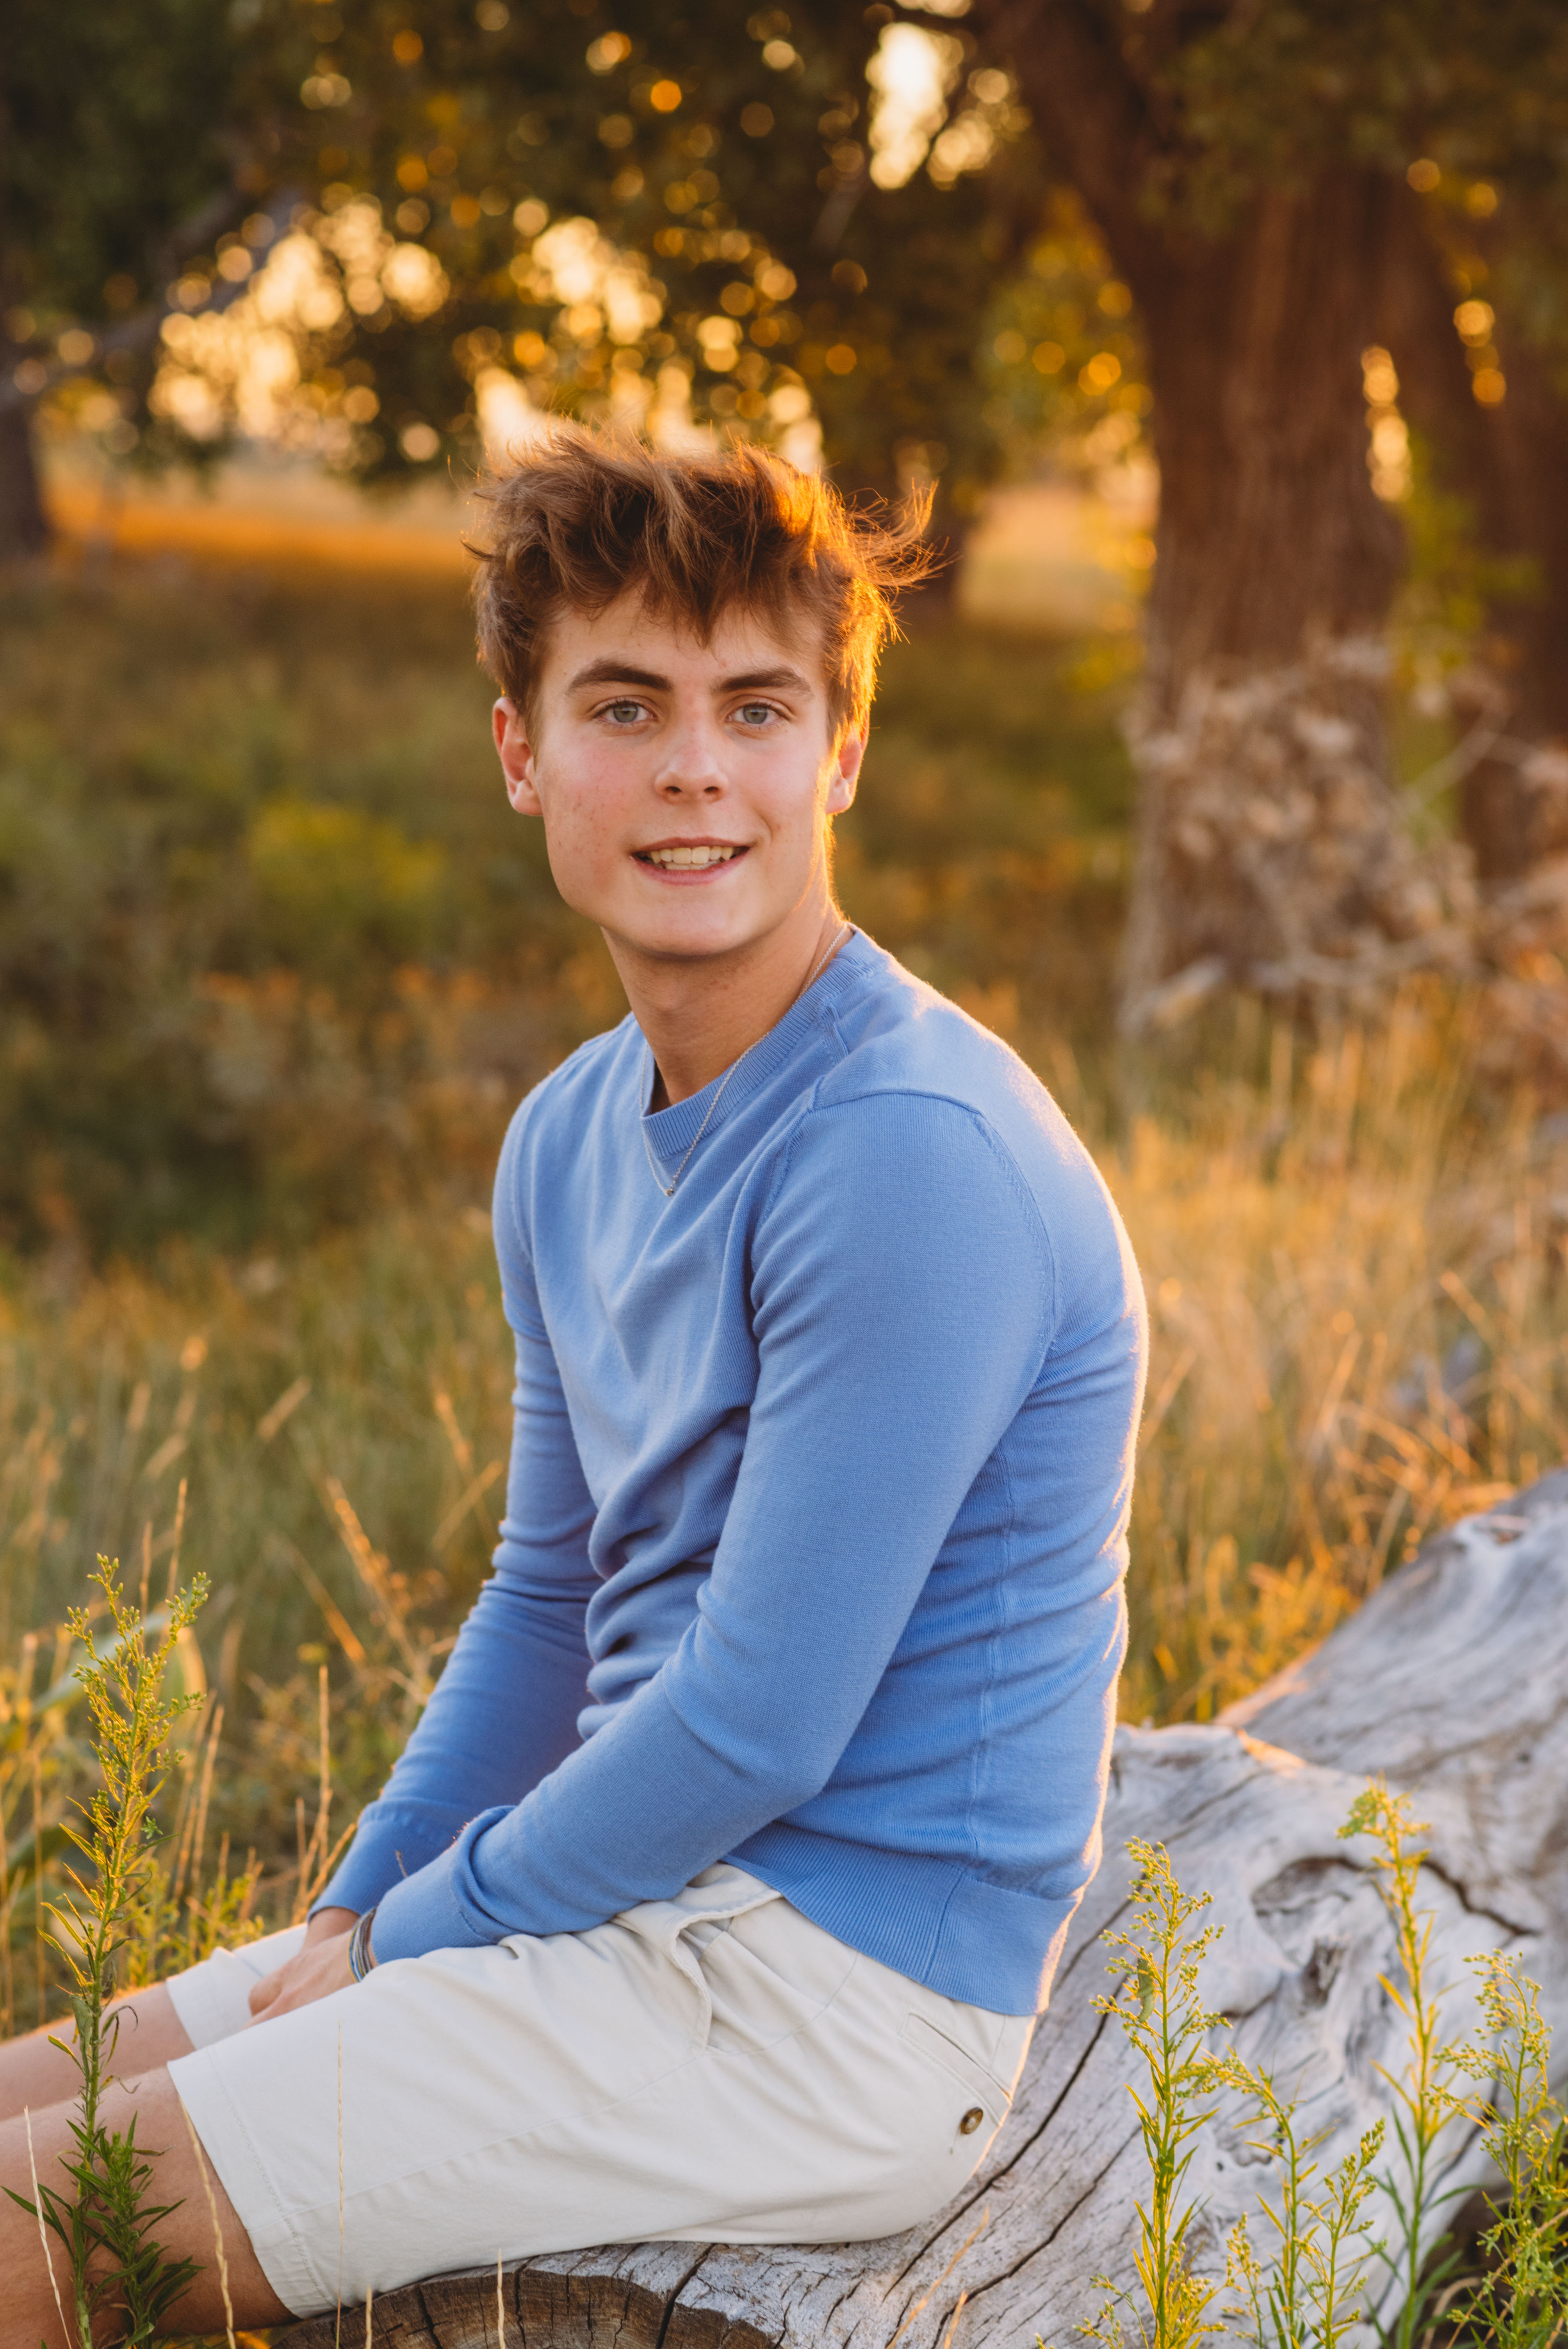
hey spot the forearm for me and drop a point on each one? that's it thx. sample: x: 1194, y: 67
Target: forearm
x: 503, y: 1714
x: 641, y: 1808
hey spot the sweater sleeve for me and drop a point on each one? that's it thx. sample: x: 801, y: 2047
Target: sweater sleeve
x: 504, y: 1712
x: 902, y: 1302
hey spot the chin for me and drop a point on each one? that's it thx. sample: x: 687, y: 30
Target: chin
x: 704, y: 918
x: 695, y: 939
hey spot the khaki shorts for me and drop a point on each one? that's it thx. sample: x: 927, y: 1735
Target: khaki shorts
x: 714, y: 2068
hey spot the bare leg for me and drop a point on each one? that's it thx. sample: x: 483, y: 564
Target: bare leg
x: 34, y: 2075
x: 27, y: 2311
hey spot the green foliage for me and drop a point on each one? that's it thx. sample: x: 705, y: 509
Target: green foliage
x: 1424, y: 2104
x: 1271, y: 96
x: 118, y: 2269
x: 388, y: 1353
x: 1157, y: 2003
x: 239, y: 982
x: 1310, y: 2295
x: 1520, y: 2299
x: 748, y: 198
x: 724, y: 155
x: 744, y: 196
x: 116, y: 123
x: 1066, y: 357
x: 338, y: 886
x: 1452, y: 581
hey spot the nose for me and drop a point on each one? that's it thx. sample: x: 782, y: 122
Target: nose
x: 693, y: 767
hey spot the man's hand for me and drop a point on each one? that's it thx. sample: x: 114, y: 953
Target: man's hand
x: 321, y: 1967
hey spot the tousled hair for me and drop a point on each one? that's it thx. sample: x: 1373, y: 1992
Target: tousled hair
x: 584, y: 517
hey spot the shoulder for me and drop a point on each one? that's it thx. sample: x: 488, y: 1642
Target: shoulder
x: 552, y: 1119
x: 572, y: 1089
x: 925, y: 1077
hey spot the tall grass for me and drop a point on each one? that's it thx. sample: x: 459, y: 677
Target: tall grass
x: 337, y: 1423
x: 1355, y: 1267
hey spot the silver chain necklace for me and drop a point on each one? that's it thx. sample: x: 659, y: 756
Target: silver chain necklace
x: 834, y: 943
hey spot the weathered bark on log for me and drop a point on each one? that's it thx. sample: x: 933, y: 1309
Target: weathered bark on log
x: 1453, y: 1681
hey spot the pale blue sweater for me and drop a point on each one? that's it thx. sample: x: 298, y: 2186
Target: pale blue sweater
x: 817, y: 1520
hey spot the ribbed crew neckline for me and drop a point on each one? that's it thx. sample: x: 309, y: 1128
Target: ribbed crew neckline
x: 671, y: 1131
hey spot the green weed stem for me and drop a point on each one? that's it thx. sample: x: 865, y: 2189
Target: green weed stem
x: 108, y: 2224
x: 1311, y: 2296
x: 1519, y: 2301
x: 1424, y: 2107
x: 1158, y: 2005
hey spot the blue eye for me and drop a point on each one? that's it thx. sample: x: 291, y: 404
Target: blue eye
x: 756, y: 713
x: 623, y: 713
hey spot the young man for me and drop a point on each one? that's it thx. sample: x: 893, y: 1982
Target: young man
x: 723, y: 1878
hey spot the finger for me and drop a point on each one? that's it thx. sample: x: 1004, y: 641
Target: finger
x: 287, y: 1992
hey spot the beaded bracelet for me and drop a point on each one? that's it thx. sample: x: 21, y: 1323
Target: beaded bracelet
x: 361, y: 1956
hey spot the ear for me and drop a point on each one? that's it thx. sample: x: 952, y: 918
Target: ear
x: 845, y: 773
x: 515, y: 754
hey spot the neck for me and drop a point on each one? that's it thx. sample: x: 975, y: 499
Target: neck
x: 699, y: 1015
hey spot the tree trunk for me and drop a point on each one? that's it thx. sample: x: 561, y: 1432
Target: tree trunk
x: 1510, y: 463
x: 1453, y: 1681
x: 1514, y: 803
x: 23, y: 524
x: 1270, y: 849
x: 1270, y: 838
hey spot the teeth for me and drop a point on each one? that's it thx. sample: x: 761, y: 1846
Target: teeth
x: 678, y: 859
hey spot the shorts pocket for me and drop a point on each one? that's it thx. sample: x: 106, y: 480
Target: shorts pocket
x: 980, y: 2084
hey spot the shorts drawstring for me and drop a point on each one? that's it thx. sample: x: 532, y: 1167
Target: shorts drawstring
x: 665, y: 1924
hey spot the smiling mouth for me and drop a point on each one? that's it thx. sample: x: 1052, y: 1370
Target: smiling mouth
x: 695, y: 859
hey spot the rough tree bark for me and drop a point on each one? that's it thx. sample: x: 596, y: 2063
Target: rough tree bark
x: 1271, y: 850
x: 1513, y: 803
x: 1453, y: 1681
x: 1510, y: 462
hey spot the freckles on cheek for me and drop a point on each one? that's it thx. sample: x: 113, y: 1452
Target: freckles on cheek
x: 585, y: 837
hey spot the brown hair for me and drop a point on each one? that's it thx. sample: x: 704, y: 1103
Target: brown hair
x: 584, y: 516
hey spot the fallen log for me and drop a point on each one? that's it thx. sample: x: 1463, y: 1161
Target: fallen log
x: 1452, y: 1682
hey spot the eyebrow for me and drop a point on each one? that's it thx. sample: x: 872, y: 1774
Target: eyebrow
x: 612, y: 671
x: 618, y: 672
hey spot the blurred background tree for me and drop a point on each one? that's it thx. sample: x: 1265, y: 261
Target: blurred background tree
x: 1477, y: 323
x: 708, y: 196
x: 1254, y: 173
x: 129, y: 141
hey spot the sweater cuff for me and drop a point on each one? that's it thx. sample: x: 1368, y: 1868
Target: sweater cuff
x: 425, y: 1911
x: 393, y: 1841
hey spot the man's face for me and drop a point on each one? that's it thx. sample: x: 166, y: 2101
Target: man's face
x: 683, y: 786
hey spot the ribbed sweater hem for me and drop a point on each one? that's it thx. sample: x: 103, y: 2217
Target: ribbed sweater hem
x: 962, y: 1937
